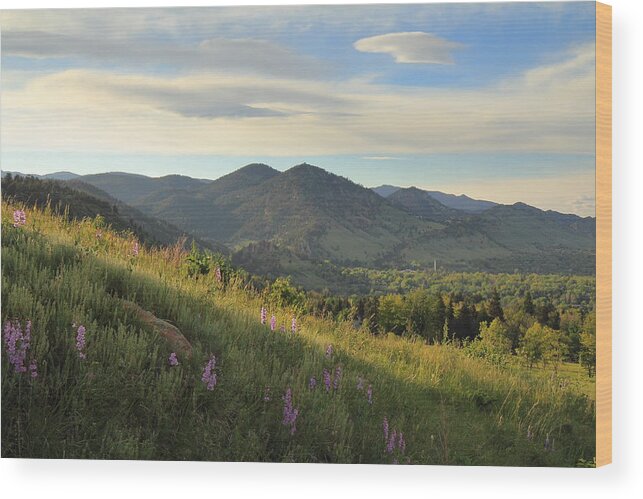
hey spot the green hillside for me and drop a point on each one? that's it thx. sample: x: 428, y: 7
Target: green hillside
x: 130, y: 188
x: 209, y: 211
x: 80, y: 200
x: 416, y: 202
x: 122, y: 398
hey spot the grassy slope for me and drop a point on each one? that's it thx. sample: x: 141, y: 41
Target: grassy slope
x: 124, y: 401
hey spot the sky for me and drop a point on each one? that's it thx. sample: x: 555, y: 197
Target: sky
x: 494, y: 100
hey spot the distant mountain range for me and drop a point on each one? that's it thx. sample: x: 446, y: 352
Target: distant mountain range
x: 461, y: 202
x: 48, y: 176
x: 307, y: 215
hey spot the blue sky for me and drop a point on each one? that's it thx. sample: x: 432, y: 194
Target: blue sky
x: 492, y: 100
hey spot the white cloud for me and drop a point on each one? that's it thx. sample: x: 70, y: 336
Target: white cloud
x: 414, y: 47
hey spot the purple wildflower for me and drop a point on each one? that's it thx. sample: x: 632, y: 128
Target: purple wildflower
x: 135, y: 248
x: 312, y: 384
x: 282, y: 328
x: 33, y: 369
x: 329, y: 351
x: 217, y: 274
x: 19, y: 218
x: 369, y: 394
x: 290, y: 414
x: 385, y: 428
x: 391, y: 442
x: 293, y: 325
x: 173, y: 361
x: 263, y: 315
x: 209, y: 377
x: 401, y: 443
x: 273, y: 323
x: 80, y: 341
x: 266, y: 394
x: 337, y: 378
x: 360, y: 383
x: 326, y: 375
x: 17, y: 343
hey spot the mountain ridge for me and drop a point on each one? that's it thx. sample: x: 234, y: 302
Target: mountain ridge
x: 315, y: 216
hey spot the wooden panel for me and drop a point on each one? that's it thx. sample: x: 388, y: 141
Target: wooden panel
x: 603, y: 234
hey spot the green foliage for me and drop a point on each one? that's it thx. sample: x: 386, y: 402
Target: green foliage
x: 198, y: 263
x: 416, y: 314
x: 494, y: 343
x: 586, y: 463
x: 587, y: 354
x: 283, y: 294
x: 496, y: 337
x: 391, y: 314
x: 542, y: 344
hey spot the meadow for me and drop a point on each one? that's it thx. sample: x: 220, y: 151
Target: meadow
x: 248, y: 387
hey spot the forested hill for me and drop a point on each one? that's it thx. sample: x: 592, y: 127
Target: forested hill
x: 82, y: 200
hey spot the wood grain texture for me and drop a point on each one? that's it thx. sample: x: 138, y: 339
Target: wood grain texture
x: 603, y: 234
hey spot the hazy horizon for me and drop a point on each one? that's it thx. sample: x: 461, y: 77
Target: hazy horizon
x: 460, y: 98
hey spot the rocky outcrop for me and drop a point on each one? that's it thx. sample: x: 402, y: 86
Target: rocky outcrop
x: 164, y: 329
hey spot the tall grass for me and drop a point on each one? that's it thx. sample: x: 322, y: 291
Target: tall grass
x: 125, y: 401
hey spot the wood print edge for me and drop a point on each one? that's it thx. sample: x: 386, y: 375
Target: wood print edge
x: 603, y: 234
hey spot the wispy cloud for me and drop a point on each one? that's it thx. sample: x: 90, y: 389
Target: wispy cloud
x: 214, y: 113
x: 414, y: 47
x: 381, y: 158
x: 223, y: 55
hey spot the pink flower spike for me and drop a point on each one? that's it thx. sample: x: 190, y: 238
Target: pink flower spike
x: 209, y: 377
x: 33, y: 369
x: 19, y: 218
x: 80, y: 341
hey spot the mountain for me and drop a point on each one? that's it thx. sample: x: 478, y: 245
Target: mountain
x: 130, y: 188
x: 319, y: 214
x: 305, y: 209
x: 385, y: 190
x: 247, y: 176
x: 416, y: 202
x: 461, y: 202
x: 520, y: 226
x: 210, y: 210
